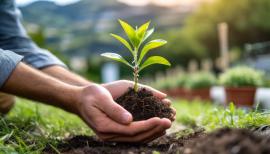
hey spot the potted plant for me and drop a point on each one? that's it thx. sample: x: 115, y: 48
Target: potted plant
x: 179, y: 89
x: 169, y: 86
x: 138, y: 101
x: 198, y: 85
x: 241, y: 84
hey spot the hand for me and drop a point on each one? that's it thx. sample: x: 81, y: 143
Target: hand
x: 118, y: 88
x: 111, y: 122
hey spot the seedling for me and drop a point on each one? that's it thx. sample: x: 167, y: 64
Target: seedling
x: 135, y: 45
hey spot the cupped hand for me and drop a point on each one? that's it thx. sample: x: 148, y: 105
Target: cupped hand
x: 110, y: 121
x: 118, y: 88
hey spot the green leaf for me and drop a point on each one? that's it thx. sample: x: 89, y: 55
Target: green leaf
x: 142, y: 31
x: 123, y: 41
x: 130, y: 32
x: 116, y: 57
x: 149, y: 46
x: 155, y: 60
x: 148, y: 34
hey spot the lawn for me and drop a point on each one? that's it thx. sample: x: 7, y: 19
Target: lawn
x: 29, y: 127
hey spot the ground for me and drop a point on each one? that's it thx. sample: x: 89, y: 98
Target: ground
x: 30, y: 127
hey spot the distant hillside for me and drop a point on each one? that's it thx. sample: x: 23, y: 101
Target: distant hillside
x: 84, y: 26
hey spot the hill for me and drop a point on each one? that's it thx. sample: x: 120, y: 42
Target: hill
x: 84, y: 26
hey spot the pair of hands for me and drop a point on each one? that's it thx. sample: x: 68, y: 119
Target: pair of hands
x: 111, y: 122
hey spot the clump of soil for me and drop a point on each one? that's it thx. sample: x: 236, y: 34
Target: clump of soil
x: 223, y: 141
x: 143, y: 105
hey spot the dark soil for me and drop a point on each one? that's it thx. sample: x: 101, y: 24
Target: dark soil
x: 143, y: 105
x: 229, y: 141
x: 223, y: 141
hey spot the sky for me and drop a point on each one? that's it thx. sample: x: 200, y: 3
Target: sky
x: 131, y: 2
x: 61, y: 2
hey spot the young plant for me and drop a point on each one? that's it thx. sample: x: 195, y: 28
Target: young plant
x: 136, y: 46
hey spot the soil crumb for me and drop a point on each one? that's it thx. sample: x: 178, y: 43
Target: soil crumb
x: 143, y: 105
x: 223, y: 141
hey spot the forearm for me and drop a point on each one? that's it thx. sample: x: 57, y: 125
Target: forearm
x: 65, y: 75
x: 33, y: 84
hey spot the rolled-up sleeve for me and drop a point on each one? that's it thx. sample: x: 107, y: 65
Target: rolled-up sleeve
x: 8, y: 62
x: 14, y: 37
x: 33, y: 55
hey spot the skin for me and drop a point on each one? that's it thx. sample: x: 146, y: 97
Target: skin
x: 92, y: 102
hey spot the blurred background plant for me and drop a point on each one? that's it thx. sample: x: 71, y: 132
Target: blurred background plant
x: 242, y: 76
x: 78, y: 32
x: 200, y: 80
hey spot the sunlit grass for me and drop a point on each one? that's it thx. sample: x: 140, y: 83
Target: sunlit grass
x: 31, y: 126
x: 210, y: 116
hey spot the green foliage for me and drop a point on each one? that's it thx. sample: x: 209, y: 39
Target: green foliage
x: 136, y: 38
x: 200, y: 80
x: 30, y: 127
x: 198, y: 38
x: 241, y: 76
x: 154, y: 60
x: 189, y: 81
x: 164, y: 83
x: 181, y: 80
x: 149, y: 46
x: 211, y: 116
x: 170, y: 82
x: 116, y: 57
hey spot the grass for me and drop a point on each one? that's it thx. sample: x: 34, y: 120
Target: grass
x: 29, y: 127
x: 210, y: 116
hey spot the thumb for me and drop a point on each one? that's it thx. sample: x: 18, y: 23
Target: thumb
x: 116, y: 112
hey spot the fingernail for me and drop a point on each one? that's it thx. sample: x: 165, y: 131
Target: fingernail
x: 127, y: 117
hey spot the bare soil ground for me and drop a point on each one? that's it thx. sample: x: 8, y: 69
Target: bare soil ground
x: 222, y: 141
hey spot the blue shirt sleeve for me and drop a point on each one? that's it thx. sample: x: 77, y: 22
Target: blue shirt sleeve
x: 8, y: 62
x: 14, y: 37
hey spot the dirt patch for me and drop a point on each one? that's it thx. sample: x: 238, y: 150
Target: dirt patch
x: 143, y: 105
x: 229, y: 141
x: 90, y: 145
x: 223, y: 141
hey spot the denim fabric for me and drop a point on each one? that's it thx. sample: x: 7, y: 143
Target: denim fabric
x: 16, y: 44
x: 8, y: 62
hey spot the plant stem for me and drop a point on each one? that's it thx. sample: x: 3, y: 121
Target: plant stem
x: 136, y: 70
x: 135, y: 73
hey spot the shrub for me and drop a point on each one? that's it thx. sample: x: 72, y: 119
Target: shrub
x: 241, y: 76
x: 200, y: 80
x: 181, y: 80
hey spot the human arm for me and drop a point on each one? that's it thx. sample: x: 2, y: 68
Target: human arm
x: 116, y: 88
x: 90, y: 103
